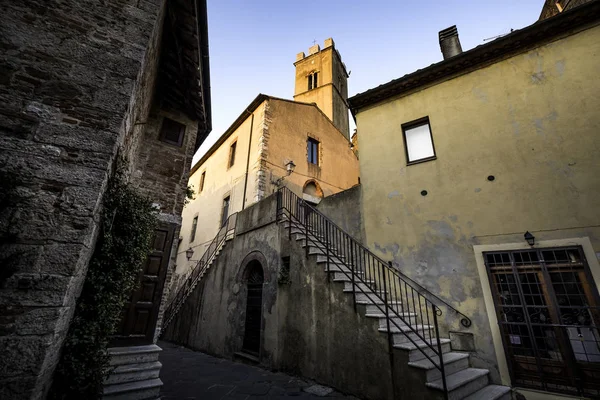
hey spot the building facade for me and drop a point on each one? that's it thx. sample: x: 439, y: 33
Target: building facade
x: 480, y: 181
x: 250, y: 160
x: 83, y: 84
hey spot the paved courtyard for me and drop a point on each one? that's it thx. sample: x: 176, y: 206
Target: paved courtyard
x: 188, y: 375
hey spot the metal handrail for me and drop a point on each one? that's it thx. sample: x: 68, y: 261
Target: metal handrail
x: 226, y: 232
x: 405, y: 305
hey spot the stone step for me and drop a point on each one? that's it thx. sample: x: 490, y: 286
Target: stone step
x: 381, y: 316
x: 405, y: 334
x: 409, y: 336
x: 407, y: 319
x: 140, y: 390
x: 491, y: 392
x: 339, y: 276
x: 418, y: 349
x: 379, y: 308
x: 133, y: 354
x: 368, y: 297
x: 462, y: 383
x: 134, y: 372
x: 358, y: 285
x: 312, y: 241
x: 453, y: 362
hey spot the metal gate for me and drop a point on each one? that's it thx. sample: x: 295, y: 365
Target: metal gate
x: 547, y: 307
x: 253, y: 309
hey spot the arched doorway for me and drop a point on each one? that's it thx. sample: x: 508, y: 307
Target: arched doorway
x: 312, y: 192
x: 254, y: 281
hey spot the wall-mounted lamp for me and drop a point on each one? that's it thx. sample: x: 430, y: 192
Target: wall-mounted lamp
x: 189, y: 253
x: 289, y: 168
x: 529, y: 238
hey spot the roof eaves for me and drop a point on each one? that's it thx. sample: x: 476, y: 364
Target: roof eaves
x: 481, y: 55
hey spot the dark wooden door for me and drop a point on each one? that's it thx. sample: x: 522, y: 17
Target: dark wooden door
x: 253, y: 310
x: 140, y: 314
x: 548, y: 316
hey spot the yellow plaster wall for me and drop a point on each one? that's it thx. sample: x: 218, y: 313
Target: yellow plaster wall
x: 220, y: 181
x: 331, y: 93
x: 292, y: 124
x: 533, y: 122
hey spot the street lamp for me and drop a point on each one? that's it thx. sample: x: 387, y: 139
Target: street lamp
x: 189, y: 253
x: 289, y: 168
x: 529, y: 238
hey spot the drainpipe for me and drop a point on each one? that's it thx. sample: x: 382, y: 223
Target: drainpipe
x: 247, y: 161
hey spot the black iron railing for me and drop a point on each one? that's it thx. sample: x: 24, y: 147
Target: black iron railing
x: 226, y: 232
x: 410, y: 309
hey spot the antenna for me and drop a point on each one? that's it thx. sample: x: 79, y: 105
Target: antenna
x: 499, y: 36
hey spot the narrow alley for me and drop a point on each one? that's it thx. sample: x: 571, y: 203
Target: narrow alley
x: 189, y: 374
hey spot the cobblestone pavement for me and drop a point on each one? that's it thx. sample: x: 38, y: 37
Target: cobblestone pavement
x: 188, y: 374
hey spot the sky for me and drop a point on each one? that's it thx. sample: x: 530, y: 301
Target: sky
x: 253, y: 44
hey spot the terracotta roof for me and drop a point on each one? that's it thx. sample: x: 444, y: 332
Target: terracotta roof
x: 483, y: 55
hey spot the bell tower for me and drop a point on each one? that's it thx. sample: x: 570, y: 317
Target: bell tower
x: 321, y: 78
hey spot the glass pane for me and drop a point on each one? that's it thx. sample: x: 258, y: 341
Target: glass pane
x: 418, y: 142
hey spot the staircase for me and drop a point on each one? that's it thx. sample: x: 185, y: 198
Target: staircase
x: 407, y: 312
x: 135, y: 374
x: 226, y: 233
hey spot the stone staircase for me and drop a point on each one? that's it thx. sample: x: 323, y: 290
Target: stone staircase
x: 226, y: 233
x: 135, y: 376
x: 462, y: 381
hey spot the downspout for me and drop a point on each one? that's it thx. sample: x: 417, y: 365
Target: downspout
x: 248, y: 162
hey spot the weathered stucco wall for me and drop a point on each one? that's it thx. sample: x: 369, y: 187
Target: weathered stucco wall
x: 76, y: 75
x: 220, y: 182
x: 331, y: 93
x: 532, y: 122
x: 292, y: 124
x: 279, y: 134
x: 344, y: 209
x: 309, y: 326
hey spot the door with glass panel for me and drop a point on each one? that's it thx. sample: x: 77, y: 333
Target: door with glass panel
x: 547, y: 307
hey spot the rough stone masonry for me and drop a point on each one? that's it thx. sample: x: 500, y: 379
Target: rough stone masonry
x: 75, y: 76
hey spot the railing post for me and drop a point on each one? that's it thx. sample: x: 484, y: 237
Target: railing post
x: 389, y: 331
x: 327, y: 249
x: 353, y: 276
x: 277, y: 212
x: 306, y: 227
x: 439, y: 346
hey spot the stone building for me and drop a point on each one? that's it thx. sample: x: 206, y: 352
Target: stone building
x: 250, y: 160
x: 490, y: 194
x: 470, y: 268
x: 82, y: 83
x: 555, y: 7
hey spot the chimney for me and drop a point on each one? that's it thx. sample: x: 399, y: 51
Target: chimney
x: 449, y: 42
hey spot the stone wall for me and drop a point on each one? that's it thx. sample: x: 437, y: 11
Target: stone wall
x: 308, y: 323
x: 70, y: 72
x: 161, y: 171
x: 344, y: 209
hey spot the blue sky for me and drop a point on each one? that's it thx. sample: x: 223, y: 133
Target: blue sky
x: 253, y: 44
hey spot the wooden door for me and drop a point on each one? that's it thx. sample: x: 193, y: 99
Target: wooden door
x: 138, y: 322
x: 547, y: 307
x: 253, y: 310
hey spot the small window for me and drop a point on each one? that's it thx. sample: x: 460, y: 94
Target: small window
x: 202, y: 177
x: 225, y: 212
x: 194, y: 226
x: 313, y: 80
x: 313, y: 151
x: 418, y: 141
x: 172, y: 132
x: 232, y: 154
